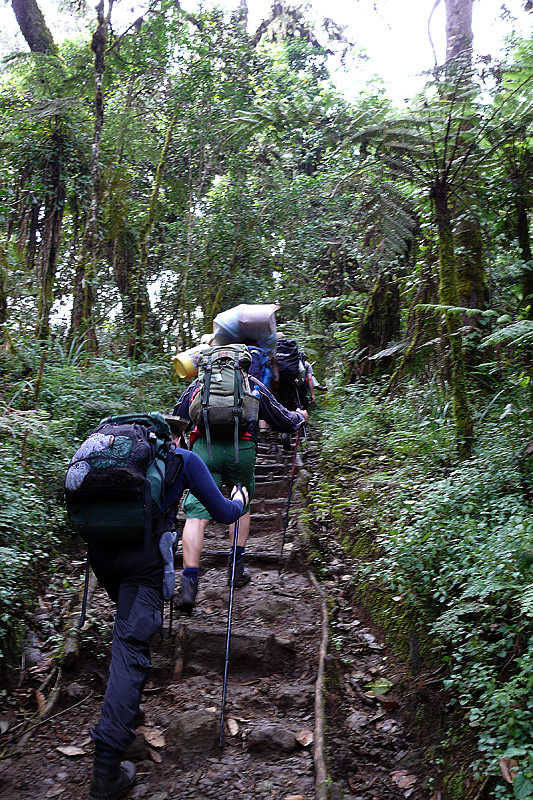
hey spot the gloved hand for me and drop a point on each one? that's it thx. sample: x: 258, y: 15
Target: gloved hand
x: 240, y: 493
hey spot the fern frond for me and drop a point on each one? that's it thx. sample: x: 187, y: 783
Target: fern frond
x: 526, y: 601
x: 516, y: 333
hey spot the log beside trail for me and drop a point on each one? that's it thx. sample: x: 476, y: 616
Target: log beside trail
x: 272, y: 744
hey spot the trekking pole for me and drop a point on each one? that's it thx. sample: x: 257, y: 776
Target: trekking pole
x: 228, y: 631
x: 286, y: 522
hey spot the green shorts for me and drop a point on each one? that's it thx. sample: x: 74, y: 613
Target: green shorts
x: 224, y: 470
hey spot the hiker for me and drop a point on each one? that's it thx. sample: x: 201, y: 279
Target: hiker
x: 263, y: 366
x: 220, y: 458
x: 305, y: 385
x: 288, y: 360
x: 133, y: 576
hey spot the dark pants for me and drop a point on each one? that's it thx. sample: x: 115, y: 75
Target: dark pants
x: 133, y: 578
x: 287, y: 395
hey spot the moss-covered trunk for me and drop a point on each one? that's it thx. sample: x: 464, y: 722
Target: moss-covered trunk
x: 141, y: 298
x: 449, y: 296
x: 380, y: 324
x: 50, y: 230
x: 524, y: 242
x: 83, y: 322
x: 470, y: 266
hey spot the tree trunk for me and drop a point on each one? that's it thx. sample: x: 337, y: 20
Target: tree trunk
x: 43, y: 251
x: 449, y: 296
x: 470, y: 266
x: 141, y: 297
x: 83, y: 321
x: 380, y: 324
x: 4, y: 269
x: 471, y: 275
x: 459, y: 36
x: 50, y: 230
x: 524, y: 243
x: 33, y: 26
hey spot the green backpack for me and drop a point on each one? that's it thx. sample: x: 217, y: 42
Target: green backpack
x: 223, y: 405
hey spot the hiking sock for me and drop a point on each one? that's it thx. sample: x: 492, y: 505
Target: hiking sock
x: 240, y: 553
x: 242, y: 576
x: 188, y: 589
x: 190, y: 572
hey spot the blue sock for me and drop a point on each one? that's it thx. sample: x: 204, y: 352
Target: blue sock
x: 240, y: 552
x: 190, y: 572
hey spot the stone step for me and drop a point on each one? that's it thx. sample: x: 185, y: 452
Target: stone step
x: 255, y: 558
x: 269, y: 488
x: 268, y: 471
x: 265, y: 505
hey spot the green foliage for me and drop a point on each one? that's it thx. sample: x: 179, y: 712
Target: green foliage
x: 36, y: 445
x: 452, y: 544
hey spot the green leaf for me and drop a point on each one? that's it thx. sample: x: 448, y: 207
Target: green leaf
x: 522, y: 787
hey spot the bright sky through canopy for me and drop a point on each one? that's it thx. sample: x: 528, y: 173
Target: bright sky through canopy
x: 394, y: 33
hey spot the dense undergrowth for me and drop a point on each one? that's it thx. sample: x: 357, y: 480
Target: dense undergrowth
x: 448, y: 544
x: 46, y: 409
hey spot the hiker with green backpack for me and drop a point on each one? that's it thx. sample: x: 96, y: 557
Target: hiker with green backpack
x: 224, y: 404
x: 122, y: 490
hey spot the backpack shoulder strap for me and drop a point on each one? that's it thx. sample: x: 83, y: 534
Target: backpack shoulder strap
x: 208, y: 370
x: 236, y: 410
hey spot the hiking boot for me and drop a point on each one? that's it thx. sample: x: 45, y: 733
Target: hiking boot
x: 187, y: 594
x: 286, y: 442
x: 112, y: 778
x: 242, y: 575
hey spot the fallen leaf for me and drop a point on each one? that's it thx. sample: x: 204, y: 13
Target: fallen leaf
x: 233, y: 727
x: 54, y: 791
x: 304, y: 737
x: 387, y: 726
x: 294, y: 797
x: 155, y: 756
x: 508, y: 768
x: 39, y: 699
x: 402, y: 779
x: 196, y: 777
x: 381, y: 686
x: 71, y: 750
x: 153, y: 736
x: 4, y: 725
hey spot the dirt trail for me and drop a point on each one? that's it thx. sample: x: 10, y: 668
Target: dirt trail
x: 273, y: 745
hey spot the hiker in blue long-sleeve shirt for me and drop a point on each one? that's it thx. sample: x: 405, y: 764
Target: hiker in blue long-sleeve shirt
x: 133, y: 577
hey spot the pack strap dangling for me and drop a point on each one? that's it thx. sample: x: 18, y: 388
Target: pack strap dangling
x: 147, y: 513
x: 205, y: 403
x: 81, y: 623
x: 236, y: 395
